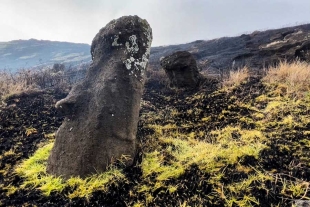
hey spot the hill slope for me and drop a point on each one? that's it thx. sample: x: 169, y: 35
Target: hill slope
x: 31, y: 53
x: 256, y: 50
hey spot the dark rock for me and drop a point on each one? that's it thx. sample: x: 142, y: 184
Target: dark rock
x: 102, y: 112
x: 181, y: 69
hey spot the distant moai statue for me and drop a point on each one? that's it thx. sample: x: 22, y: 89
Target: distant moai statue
x: 181, y: 69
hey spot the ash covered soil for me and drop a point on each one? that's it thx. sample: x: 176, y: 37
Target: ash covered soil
x: 172, y: 122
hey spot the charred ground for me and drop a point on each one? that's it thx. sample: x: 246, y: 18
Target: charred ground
x: 175, y: 120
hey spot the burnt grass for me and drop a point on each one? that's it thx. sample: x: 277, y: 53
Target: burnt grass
x: 36, y: 110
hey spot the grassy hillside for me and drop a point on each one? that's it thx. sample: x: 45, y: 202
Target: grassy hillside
x: 242, y: 141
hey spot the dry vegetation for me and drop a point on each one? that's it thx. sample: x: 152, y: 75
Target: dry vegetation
x: 12, y: 84
x: 56, y: 77
x: 236, y: 77
x: 292, y: 79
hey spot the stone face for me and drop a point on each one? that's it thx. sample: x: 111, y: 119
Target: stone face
x: 181, y: 69
x: 102, y: 112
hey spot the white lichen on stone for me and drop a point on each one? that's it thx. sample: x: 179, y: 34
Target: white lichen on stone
x: 128, y: 64
x: 149, y: 40
x: 134, y: 48
x: 114, y: 43
x: 137, y: 66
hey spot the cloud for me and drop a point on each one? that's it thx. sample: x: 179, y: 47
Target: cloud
x: 173, y: 21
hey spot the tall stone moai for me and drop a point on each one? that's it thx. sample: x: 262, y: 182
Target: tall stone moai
x: 102, y: 112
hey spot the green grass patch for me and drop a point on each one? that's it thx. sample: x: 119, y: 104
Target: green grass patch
x: 181, y: 151
x: 33, y: 170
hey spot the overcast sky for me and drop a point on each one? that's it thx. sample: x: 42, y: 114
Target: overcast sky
x: 172, y: 21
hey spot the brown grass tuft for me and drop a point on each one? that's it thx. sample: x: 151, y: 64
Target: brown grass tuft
x: 293, y: 78
x: 14, y: 83
x: 29, y: 80
x: 235, y: 78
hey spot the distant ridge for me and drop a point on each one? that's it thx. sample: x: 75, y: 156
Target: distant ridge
x: 256, y: 50
x: 31, y: 53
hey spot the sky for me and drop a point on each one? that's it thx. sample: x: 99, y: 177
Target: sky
x: 172, y: 21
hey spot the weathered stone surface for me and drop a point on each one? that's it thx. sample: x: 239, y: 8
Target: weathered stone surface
x: 102, y: 112
x: 301, y: 203
x: 181, y: 69
x: 256, y: 50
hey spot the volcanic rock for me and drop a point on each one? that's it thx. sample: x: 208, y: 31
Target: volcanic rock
x: 181, y: 69
x: 102, y: 112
